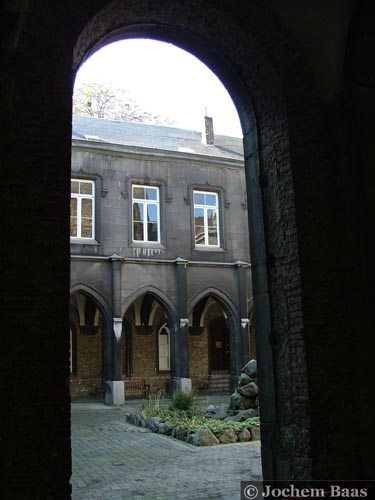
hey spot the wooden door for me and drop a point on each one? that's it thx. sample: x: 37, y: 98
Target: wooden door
x: 219, y: 345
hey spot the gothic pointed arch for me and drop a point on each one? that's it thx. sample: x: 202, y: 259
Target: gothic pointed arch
x: 103, y: 306
x: 95, y: 295
x: 227, y: 303
x: 154, y: 293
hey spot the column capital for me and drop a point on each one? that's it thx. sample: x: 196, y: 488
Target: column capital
x: 117, y: 327
x: 244, y: 322
x: 181, y: 262
x: 116, y: 258
x: 241, y: 263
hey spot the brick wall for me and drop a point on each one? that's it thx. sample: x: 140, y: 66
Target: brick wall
x: 87, y: 378
x: 198, y: 358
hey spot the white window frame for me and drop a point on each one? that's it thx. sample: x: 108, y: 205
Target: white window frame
x: 79, y: 197
x: 145, y: 204
x: 205, y: 218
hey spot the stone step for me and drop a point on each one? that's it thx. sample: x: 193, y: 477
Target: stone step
x: 219, y: 382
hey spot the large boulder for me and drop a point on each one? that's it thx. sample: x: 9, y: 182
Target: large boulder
x: 255, y: 433
x: 179, y: 432
x: 244, y: 435
x: 250, y: 369
x: 153, y: 423
x: 243, y: 415
x: 165, y: 428
x: 216, y: 411
x: 235, y: 401
x: 204, y: 437
x: 192, y: 438
x: 245, y: 379
x: 247, y: 403
x: 249, y: 390
x: 229, y: 436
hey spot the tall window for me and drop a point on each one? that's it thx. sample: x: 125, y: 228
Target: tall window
x: 206, y: 219
x: 146, y: 214
x: 164, y: 348
x: 82, y: 209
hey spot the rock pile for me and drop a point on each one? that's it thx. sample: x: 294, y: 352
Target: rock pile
x: 246, y: 395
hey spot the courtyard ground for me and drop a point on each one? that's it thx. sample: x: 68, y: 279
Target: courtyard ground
x: 113, y: 460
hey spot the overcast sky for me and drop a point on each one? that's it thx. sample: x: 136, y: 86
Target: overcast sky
x: 164, y: 80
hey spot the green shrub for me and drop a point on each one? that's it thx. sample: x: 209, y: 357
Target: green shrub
x: 184, y: 401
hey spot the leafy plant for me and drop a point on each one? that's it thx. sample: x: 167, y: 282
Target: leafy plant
x: 184, y: 401
x: 196, y: 421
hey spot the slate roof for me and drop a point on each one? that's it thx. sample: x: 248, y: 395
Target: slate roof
x: 155, y: 137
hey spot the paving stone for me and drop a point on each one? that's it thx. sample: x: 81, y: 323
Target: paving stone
x: 113, y: 460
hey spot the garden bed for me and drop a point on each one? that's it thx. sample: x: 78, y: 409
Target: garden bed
x: 216, y: 425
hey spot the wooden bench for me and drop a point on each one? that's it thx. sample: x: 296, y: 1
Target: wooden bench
x: 136, y: 387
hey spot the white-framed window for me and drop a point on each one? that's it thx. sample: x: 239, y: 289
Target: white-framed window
x: 146, y: 214
x: 206, y: 219
x: 164, y: 348
x: 82, y: 209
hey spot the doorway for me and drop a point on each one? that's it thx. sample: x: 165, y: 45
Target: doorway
x: 218, y: 345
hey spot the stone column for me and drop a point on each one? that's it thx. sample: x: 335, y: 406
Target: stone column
x: 241, y: 268
x: 180, y: 345
x: 239, y: 338
x: 115, y: 388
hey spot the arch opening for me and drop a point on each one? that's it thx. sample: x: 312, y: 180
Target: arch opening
x: 146, y: 343
x: 240, y: 90
x: 87, y: 346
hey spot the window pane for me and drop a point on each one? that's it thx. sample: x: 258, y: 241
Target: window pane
x: 73, y: 217
x: 199, y: 235
x: 74, y: 186
x: 86, y: 208
x: 152, y: 213
x: 85, y: 187
x: 212, y: 236
x: 73, y: 207
x: 139, y: 192
x: 151, y: 194
x: 199, y: 198
x: 198, y: 216
x: 138, y: 231
x: 138, y: 212
x: 86, y: 228
x: 73, y: 227
x: 152, y: 229
x: 211, y: 218
x: 211, y: 199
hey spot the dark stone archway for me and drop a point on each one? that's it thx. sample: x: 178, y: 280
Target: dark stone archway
x: 256, y: 89
x: 307, y: 297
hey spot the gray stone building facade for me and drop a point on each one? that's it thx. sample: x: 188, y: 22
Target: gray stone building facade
x: 301, y: 75
x: 160, y: 270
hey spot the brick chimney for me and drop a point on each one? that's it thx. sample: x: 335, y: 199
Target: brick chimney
x: 208, y: 135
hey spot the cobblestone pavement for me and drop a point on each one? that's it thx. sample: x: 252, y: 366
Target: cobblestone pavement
x: 113, y: 460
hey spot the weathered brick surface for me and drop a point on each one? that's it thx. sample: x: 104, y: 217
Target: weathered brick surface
x: 87, y: 377
x: 198, y: 355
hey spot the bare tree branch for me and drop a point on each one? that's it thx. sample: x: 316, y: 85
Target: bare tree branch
x: 103, y: 101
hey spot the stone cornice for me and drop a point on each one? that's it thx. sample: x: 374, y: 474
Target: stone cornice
x: 138, y: 152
